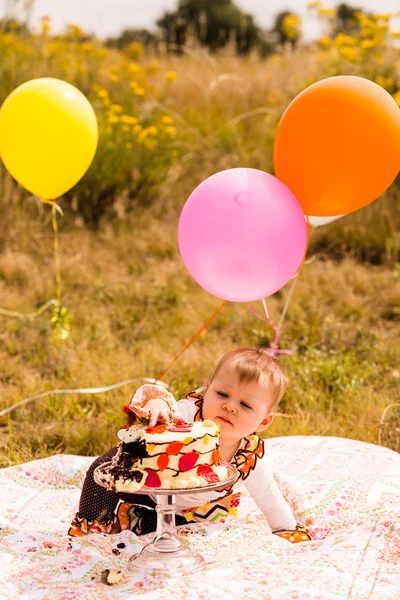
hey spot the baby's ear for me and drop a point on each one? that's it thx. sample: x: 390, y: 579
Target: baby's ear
x: 266, y: 422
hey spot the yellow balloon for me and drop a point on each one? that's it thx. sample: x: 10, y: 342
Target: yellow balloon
x: 48, y: 136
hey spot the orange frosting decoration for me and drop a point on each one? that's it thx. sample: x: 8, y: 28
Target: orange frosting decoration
x: 174, y: 448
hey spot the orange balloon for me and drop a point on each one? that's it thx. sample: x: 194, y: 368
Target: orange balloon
x: 337, y: 146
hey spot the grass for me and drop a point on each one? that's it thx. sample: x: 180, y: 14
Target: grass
x: 166, y: 123
x: 134, y: 307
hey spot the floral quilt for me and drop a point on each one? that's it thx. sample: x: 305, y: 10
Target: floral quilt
x: 345, y: 491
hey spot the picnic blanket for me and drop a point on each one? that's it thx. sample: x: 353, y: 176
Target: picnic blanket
x: 347, y: 492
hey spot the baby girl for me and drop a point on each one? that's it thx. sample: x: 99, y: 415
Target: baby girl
x: 241, y: 397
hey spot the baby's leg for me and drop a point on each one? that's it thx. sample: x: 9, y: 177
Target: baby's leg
x: 104, y: 511
x: 96, y: 505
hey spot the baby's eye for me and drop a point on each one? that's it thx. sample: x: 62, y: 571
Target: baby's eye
x: 222, y: 394
x: 245, y: 405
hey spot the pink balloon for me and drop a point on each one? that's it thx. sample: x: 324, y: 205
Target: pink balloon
x: 242, y: 235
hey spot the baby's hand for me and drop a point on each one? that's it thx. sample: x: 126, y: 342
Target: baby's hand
x: 157, y: 410
x: 155, y: 403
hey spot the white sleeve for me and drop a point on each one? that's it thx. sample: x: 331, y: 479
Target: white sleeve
x: 186, y: 409
x: 268, y: 497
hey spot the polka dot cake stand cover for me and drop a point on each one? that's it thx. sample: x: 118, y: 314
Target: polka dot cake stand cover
x: 166, y: 554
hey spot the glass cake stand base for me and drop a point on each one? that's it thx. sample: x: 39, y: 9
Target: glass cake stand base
x: 166, y: 555
x: 179, y: 561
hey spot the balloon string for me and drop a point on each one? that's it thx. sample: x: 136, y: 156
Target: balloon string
x: 114, y: 386
x: 274, y: 346
x: 32, y: 315
x: 99, y: 390
x: 202, y: 328
x: 56, y: 251
x: 53, y: 204
x: 54, y: 301
x: 117, y: 385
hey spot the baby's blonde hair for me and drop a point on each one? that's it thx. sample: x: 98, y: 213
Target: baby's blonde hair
x: 251, y: 364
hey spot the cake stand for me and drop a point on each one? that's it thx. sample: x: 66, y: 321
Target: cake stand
x: 166, y: 554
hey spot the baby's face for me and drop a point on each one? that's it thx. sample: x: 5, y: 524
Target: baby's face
x: 239, y: 409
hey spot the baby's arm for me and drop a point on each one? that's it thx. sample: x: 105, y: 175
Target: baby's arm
x: 268, y: 497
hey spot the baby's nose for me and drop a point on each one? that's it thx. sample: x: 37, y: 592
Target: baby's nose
x: 231, y: 409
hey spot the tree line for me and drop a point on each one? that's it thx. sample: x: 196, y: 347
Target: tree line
x: 215, y: 24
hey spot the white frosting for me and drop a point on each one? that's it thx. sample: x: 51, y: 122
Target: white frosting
x: 198, y: 430
x: 114, y: 576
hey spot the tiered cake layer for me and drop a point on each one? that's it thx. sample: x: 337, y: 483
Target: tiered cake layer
x: 167, y: 456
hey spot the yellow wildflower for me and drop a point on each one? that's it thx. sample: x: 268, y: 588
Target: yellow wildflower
x: 327, y: 12
x: 128, y: 120
x: 142, y: 135
x: 74, y: 31
x: 145, y: 133
x: 368, y: 44
x: 137, y: 128
x: 87, y: 47
x: 368, y: 27
x: 126, y: 128
x: 102, y: 93
x: 117, y: 108
x: 112, y: 118
x: 344, y: 40
x: 291, y: 25
x: 385, y: 82
x: 167, y: 120
x: 348, y: 53
x: 171, y: 131
x: 139, y: 91
x: 134, y: 50
x: 45, y: 27
x: 325, y: 42
x: 313, y: 4
x: 114, y: 77
x: 170, y: 76
x: 134, y: 68
x: 152, y: 130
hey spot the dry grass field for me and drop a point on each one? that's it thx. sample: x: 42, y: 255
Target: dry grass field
x: 166, y: 123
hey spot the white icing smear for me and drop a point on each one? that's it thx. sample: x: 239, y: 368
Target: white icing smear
x: 197, y: 430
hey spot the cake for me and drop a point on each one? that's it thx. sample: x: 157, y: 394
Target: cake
x: 166, y: 456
